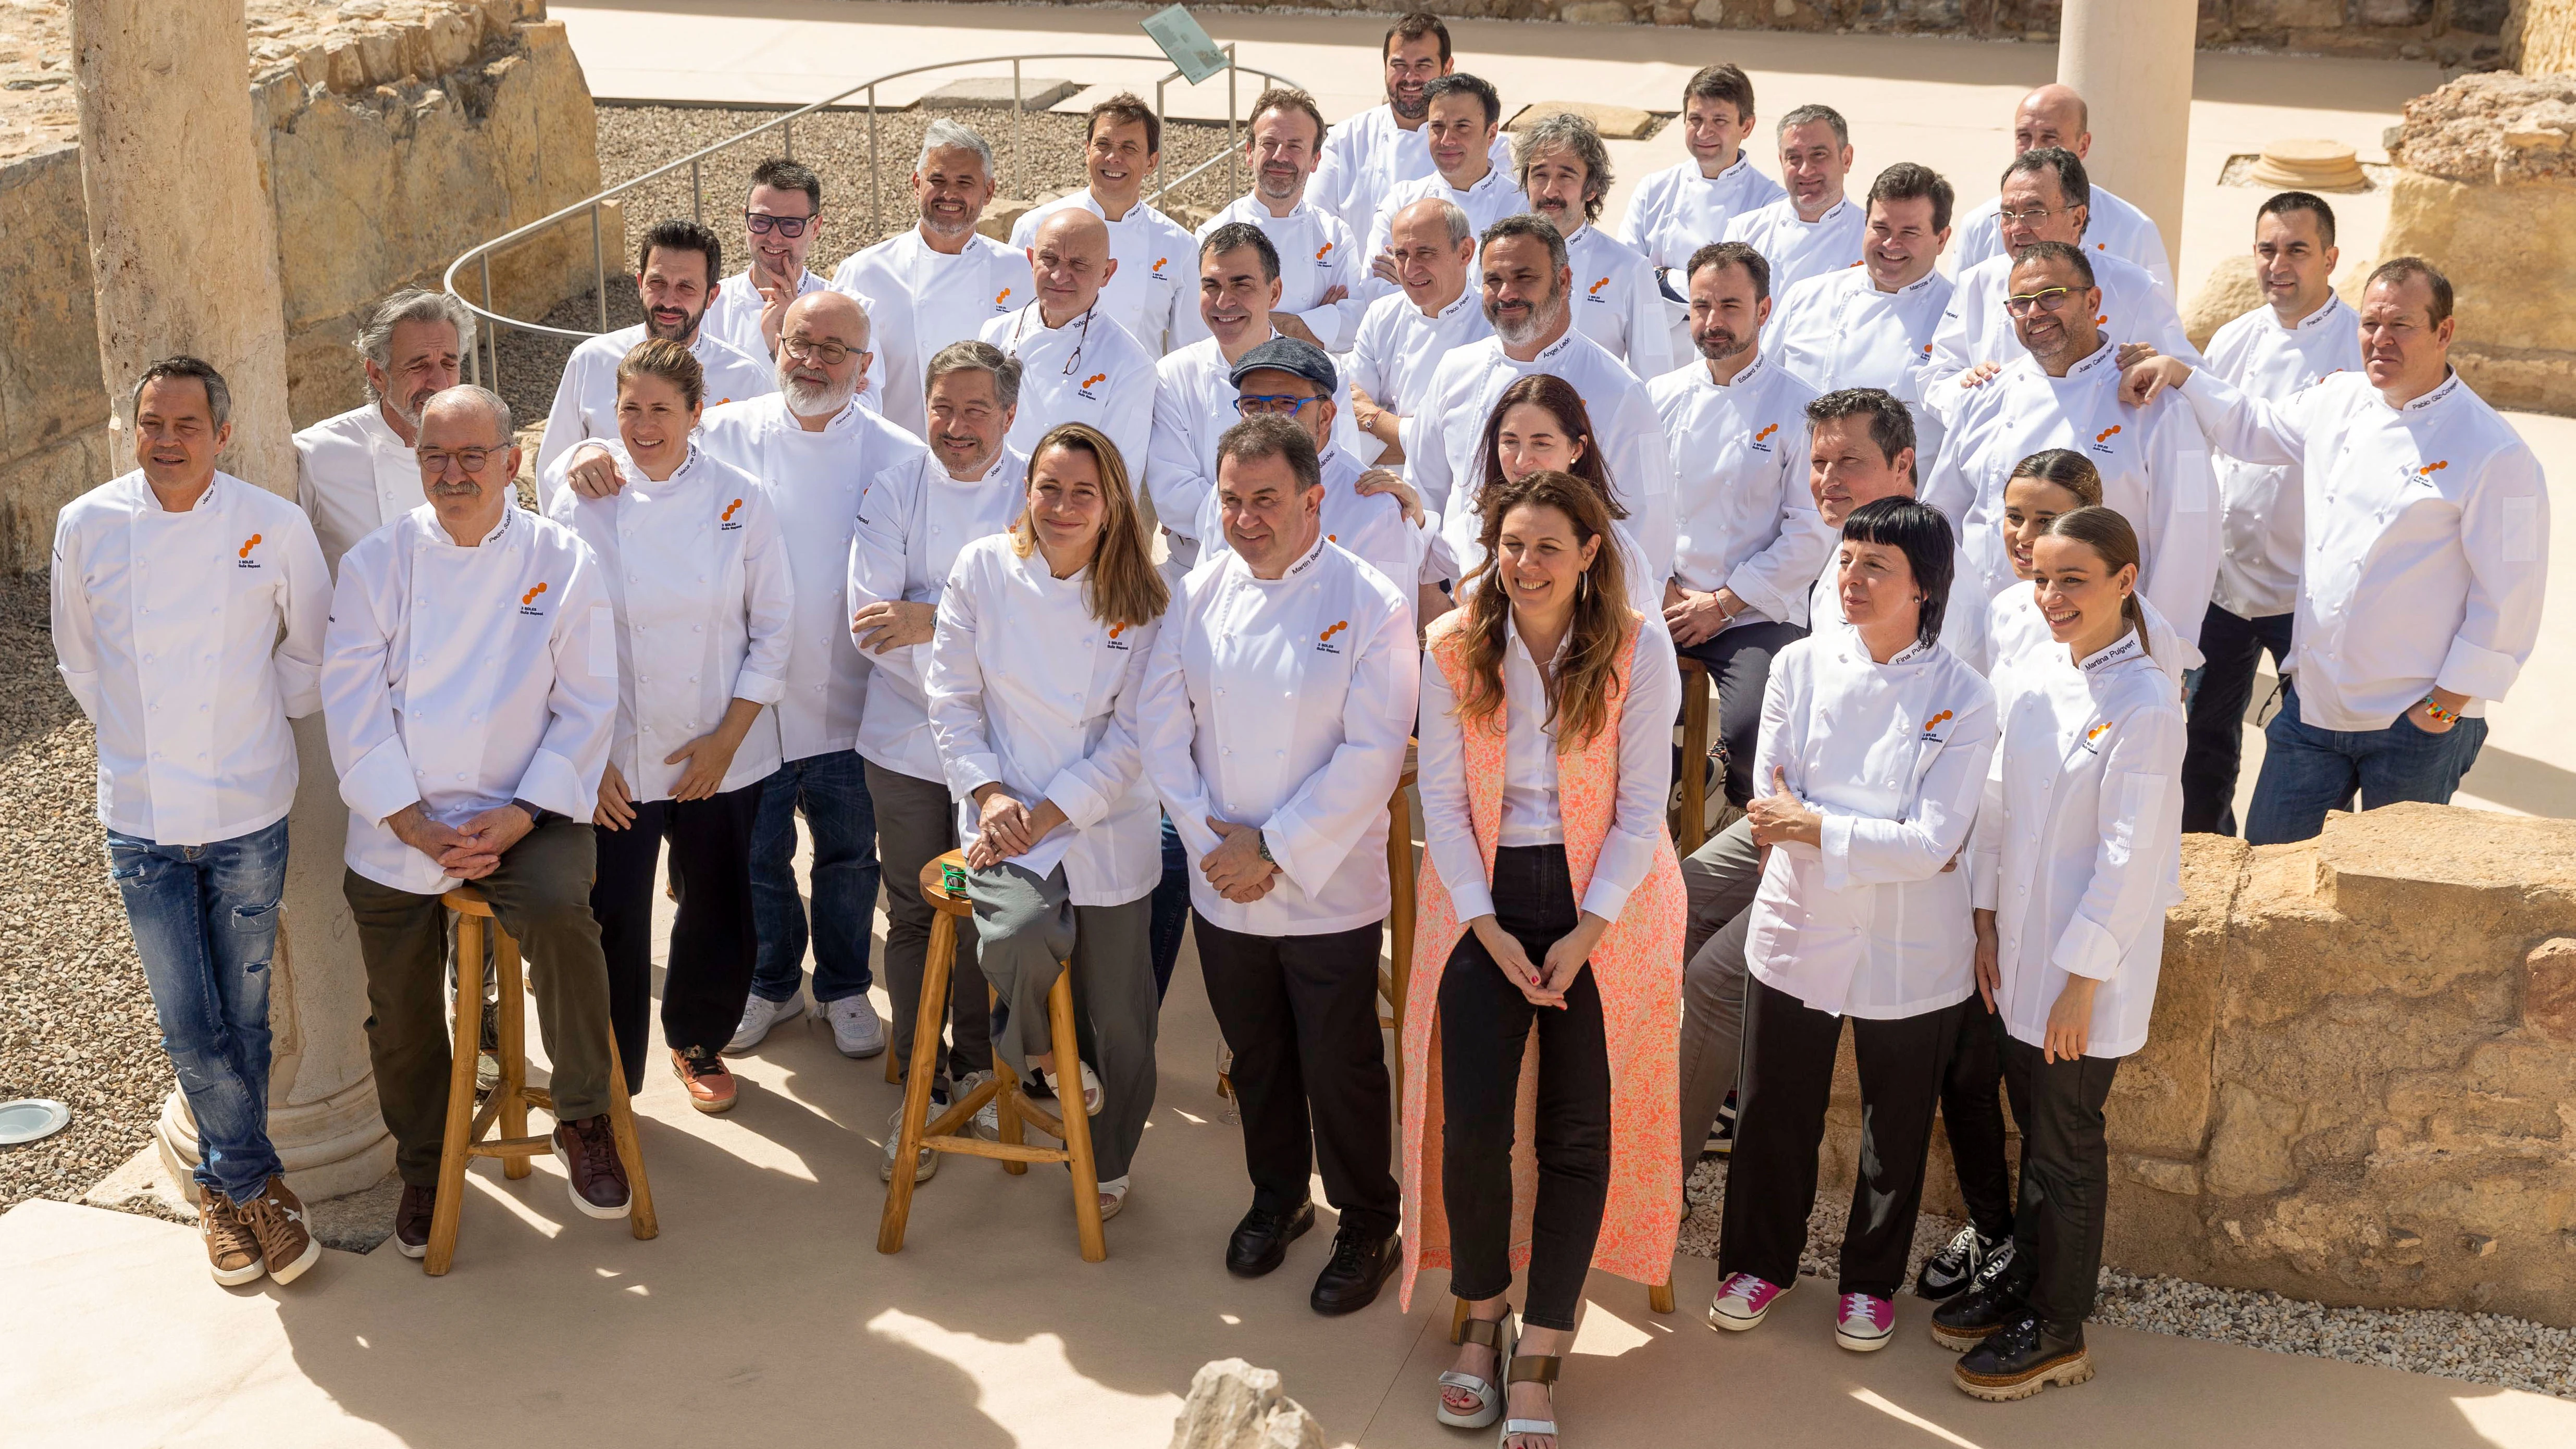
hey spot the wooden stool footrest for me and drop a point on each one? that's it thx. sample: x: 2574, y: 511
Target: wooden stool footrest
x: 514, y: 1147
x: 1039, y: 1117
x: 1002, y: 1151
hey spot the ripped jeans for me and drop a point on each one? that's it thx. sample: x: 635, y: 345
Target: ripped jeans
x: 205, y: 925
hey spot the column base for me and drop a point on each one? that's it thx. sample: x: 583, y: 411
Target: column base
x: 335, y: 1146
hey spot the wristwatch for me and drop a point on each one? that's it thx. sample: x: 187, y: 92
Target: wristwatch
x: 537, y: 815
x: 1261, y: 843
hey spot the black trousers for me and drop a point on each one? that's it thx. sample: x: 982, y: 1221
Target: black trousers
x: 2215, y: 736
x: 2065, y: 1179
x: 1300, y: 1015
x: 1780, y: 1120
x: 1485, y: 1022
x: 1739, y: 659
x: 1972, y: 1112
x: 713, y: 941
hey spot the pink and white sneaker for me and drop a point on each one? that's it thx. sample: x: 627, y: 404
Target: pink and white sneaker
x: 1742, y: 1301
x: 1864, y: 1324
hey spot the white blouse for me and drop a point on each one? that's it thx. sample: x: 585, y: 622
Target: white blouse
x: 1530, y: 810
x: 1867, y: 923
x: 2078, y: 848
x: 1027, y: 688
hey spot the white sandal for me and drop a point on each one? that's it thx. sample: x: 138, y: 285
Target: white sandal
x: 1497, y: 1335
x: 1113, y: 1196
x: 1090, y: 1089
x: 1537, y: 1368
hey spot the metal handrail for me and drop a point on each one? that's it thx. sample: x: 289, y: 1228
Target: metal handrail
x: 486, y: 360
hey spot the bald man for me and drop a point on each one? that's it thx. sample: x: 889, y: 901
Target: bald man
x: 2054, y: 115
x: 1077, y: 364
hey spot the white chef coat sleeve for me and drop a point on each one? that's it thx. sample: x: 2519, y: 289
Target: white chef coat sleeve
x: 1636, y: 831
x: 2163, y: 325
x: 2143, y: 754
x: 1777, y: 579
x: 877, y: 569
x: 1862, y: 851
x: 376, y: 778
x: 1986, y: 838
x: 1170, y: 726
x: 1172, y: 478
x: 2245, y: 427
x: 1086, y: 788
x: 769, y: 594
x: 1129, y: 421
x: 308, y: 493
x: 565, y: 426
x: 581, y: 705
x: 1337, y: 324
x: 1947, y: 485
x: 2181, y: 539
x: 1642, y: 472
x: 2504, y: 533
x: 1950, y: 342
x: 1328, y: 190
x: 298, y: 659
x: 1448, y: 826
x: 1649, y: 325
x: 75, y: 627
x: 1783, y: 717
x: 954, y: 688
x: 1312, y: 832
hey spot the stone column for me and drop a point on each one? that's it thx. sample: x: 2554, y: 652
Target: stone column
x: 183, y: 241
x: 2131, y: 60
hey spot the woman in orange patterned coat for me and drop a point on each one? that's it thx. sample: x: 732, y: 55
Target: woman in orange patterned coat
x: 1550, y: 901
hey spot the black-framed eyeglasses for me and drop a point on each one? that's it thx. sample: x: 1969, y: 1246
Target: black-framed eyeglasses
x: 830, y: 354
x: 790, y: 227
x: 2051, y: 299
x: 434, y: 461
x: 2034, y: 216
x: 1253, y: 404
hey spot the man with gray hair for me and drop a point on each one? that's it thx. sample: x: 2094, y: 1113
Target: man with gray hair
x: 354, y: 473
x: 1814, y: 229
x: 941, y: 281
x: 1565, y: 172
x: 1404, y: 335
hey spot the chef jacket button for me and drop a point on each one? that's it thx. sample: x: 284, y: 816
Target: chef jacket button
x: 697, y: 628
x: 693, y: 679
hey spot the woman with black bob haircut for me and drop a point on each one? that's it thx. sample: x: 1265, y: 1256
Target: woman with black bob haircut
x: 1874, y: 749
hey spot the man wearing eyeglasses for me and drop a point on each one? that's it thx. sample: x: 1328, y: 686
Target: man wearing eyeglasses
x: 939, y: 282
x: 2064, y: 392
x: 778, y: 225
x: 2055, y: 115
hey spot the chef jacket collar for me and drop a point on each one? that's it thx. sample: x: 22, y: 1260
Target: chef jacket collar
x: 2130, y: 645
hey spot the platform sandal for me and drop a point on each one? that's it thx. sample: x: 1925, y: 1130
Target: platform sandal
x: 1536, y: 1368
x: 1497, y: 1335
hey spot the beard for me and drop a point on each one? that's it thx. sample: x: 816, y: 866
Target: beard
x: 1529, y: 326
x: 816, y: 399
x: 410, y: 412
x: 1411, y: 110
x: 653, y: 327
x: 1718, y: 344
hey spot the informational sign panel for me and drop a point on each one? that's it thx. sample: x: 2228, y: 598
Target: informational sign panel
x: 1185, y: 42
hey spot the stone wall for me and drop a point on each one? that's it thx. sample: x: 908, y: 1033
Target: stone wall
x: 2360, y: 1086
x: 395, y: 134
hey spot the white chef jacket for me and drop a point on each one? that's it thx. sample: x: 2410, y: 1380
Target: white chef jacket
x: 919, y: 300
x: 1087, y: 371
x: 354, y: 475
x: 1443, y: 438
x: 912, y: 524
x: 2262, y: 503
x: 815, y: 481
x: 1369, y: 526
x: 1976, y: 328
x: 1400, y: 346
x: 2155, y: 466
x: 460, y: 679
x: 1367, y: 156
x: 1618, y: 303
x: 1193, y: 406
x: 1531, y: 813
x: 2078, y: 847
x: 2427, y: 544
x: 1894, y: 757
x: 734, y: 316
x: 1488, y: 200
x: 2112, y: 227
x: 586, y: 399
x: 1746, y: 516
x: 1027, y: 688
x: 189, y: 639
x: 1798, y: 248
x: 1155, y: 293
x: 1839, y: 330
x: 2010, y: 626
x: 705, y: 607
x: 1316, y: 254
x: 1676, y: 211
x: 1285, y: 704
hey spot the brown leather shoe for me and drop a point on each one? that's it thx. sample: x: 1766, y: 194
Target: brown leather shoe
x: 709, y: 1080
x: 276, y: 1218
x: 411, y: 1220
x: 232, y: 1252
x: 594, y: 1176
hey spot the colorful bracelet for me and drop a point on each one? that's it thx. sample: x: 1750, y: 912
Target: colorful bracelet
x: 2434, y: 711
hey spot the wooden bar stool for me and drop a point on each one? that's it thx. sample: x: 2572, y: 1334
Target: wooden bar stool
x: 1690, y: 818
x: 1015, y: 1110
x: 512, y: 1097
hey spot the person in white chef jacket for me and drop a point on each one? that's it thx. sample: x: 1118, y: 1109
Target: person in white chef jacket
x: 938, y: 282
x: 470, y: 688
x: 1564, y: 169
x: 354, y: 472
x: 2054, y: 115
x: 2077, y: 853
x: 1077, y: 364
x: 1875, y: 746
x: 1320, y: 263
x: 1872, y: 325
x: 2303, y: 332
x: 676, y: 266
x: 1527, y: 288
x: 913, y: 521
x: 1278, y: 701
x: 1035, y: 672
x: 1814, y: 228
x: 2424, y: 562
x: 1749, y: 543
x: 188, y: 611
x: 1406, y: 334
x: 1370, y: 154
x: 2065, y: 392
x: 780, y: 219
x: 1466, y: 116
x: 2046, y: 198
x: 1151, y: 294
x: 704, y: 612
x: 2040, y: 487
x: 1678, y: 210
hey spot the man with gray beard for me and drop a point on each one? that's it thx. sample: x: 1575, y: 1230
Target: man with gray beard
x: 355, y: 473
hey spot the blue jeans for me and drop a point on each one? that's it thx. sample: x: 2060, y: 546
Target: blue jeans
x: 205, y: 924
x: 833, y: 793
x: 1171, y: 910
x: 2308, y: 771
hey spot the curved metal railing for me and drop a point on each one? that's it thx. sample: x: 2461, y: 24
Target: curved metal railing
x: 486, y: 362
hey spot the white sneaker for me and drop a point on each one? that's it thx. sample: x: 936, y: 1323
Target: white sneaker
x: 926, y: 1166
x: 758, y: 1016
x: 855, y: 1027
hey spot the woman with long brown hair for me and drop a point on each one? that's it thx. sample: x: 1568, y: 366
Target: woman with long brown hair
x: 1540, y: 423
x: 1550, y: 899
x: 1034, y: 671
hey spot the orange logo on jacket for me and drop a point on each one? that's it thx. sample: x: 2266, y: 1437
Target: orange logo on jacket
x: 530, y: 596
x: 1117, y: 629
x: 1088, y: 382
x: 251, y: 543
x: 1595, y: 289
x: 728, y: 513
x: 2426, y: 471
x: 2104, y: 436
x: 1001, y: 296
x: 1766, y: 432
x: 1327, y: 635
x: 2097, y: 732
x: 1936, y: 721
x: 1321, y: 250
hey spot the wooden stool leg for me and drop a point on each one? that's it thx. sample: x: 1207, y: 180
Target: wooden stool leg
x: 1660, y: 1297
x: 1693, y: 826
x: 513, y: 1046
x: 1399, y: 864
x: 458, y: 1135
x: 916, y: 1090
x: 1077, y: 1124
x: 1006, y: 1102
x: 640, y: 1217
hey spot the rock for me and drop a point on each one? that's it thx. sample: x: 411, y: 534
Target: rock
x: 1595, y: 12
x: 1618, y: 123
x: 1233, y: 1405
x: 994, y: 93
x: 1003, y: 213
x: 2549, y: 990
x: 2230, y: 293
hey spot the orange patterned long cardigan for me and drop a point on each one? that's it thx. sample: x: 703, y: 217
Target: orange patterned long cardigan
x: 1638, y: 966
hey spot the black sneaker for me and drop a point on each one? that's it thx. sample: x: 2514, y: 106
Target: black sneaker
x: 1970, y: 1318
x: 1360, y: 1266
x: 1260, y: 1241
x: 1949, y: 1271
x: 2022, y: 1357
x: 411, y: 1220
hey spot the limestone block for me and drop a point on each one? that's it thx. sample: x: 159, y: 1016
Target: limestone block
x: 1619, y: 123
x: 348, y: 68
x: 1595, y: 12
x: 2230, y: 293
x: 1233, y: 1405
x: 2249, y: 1150
x: 2287, y: 14
x: 380, y: 53
x: 2549, y: 990
x: 1003, y: 213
